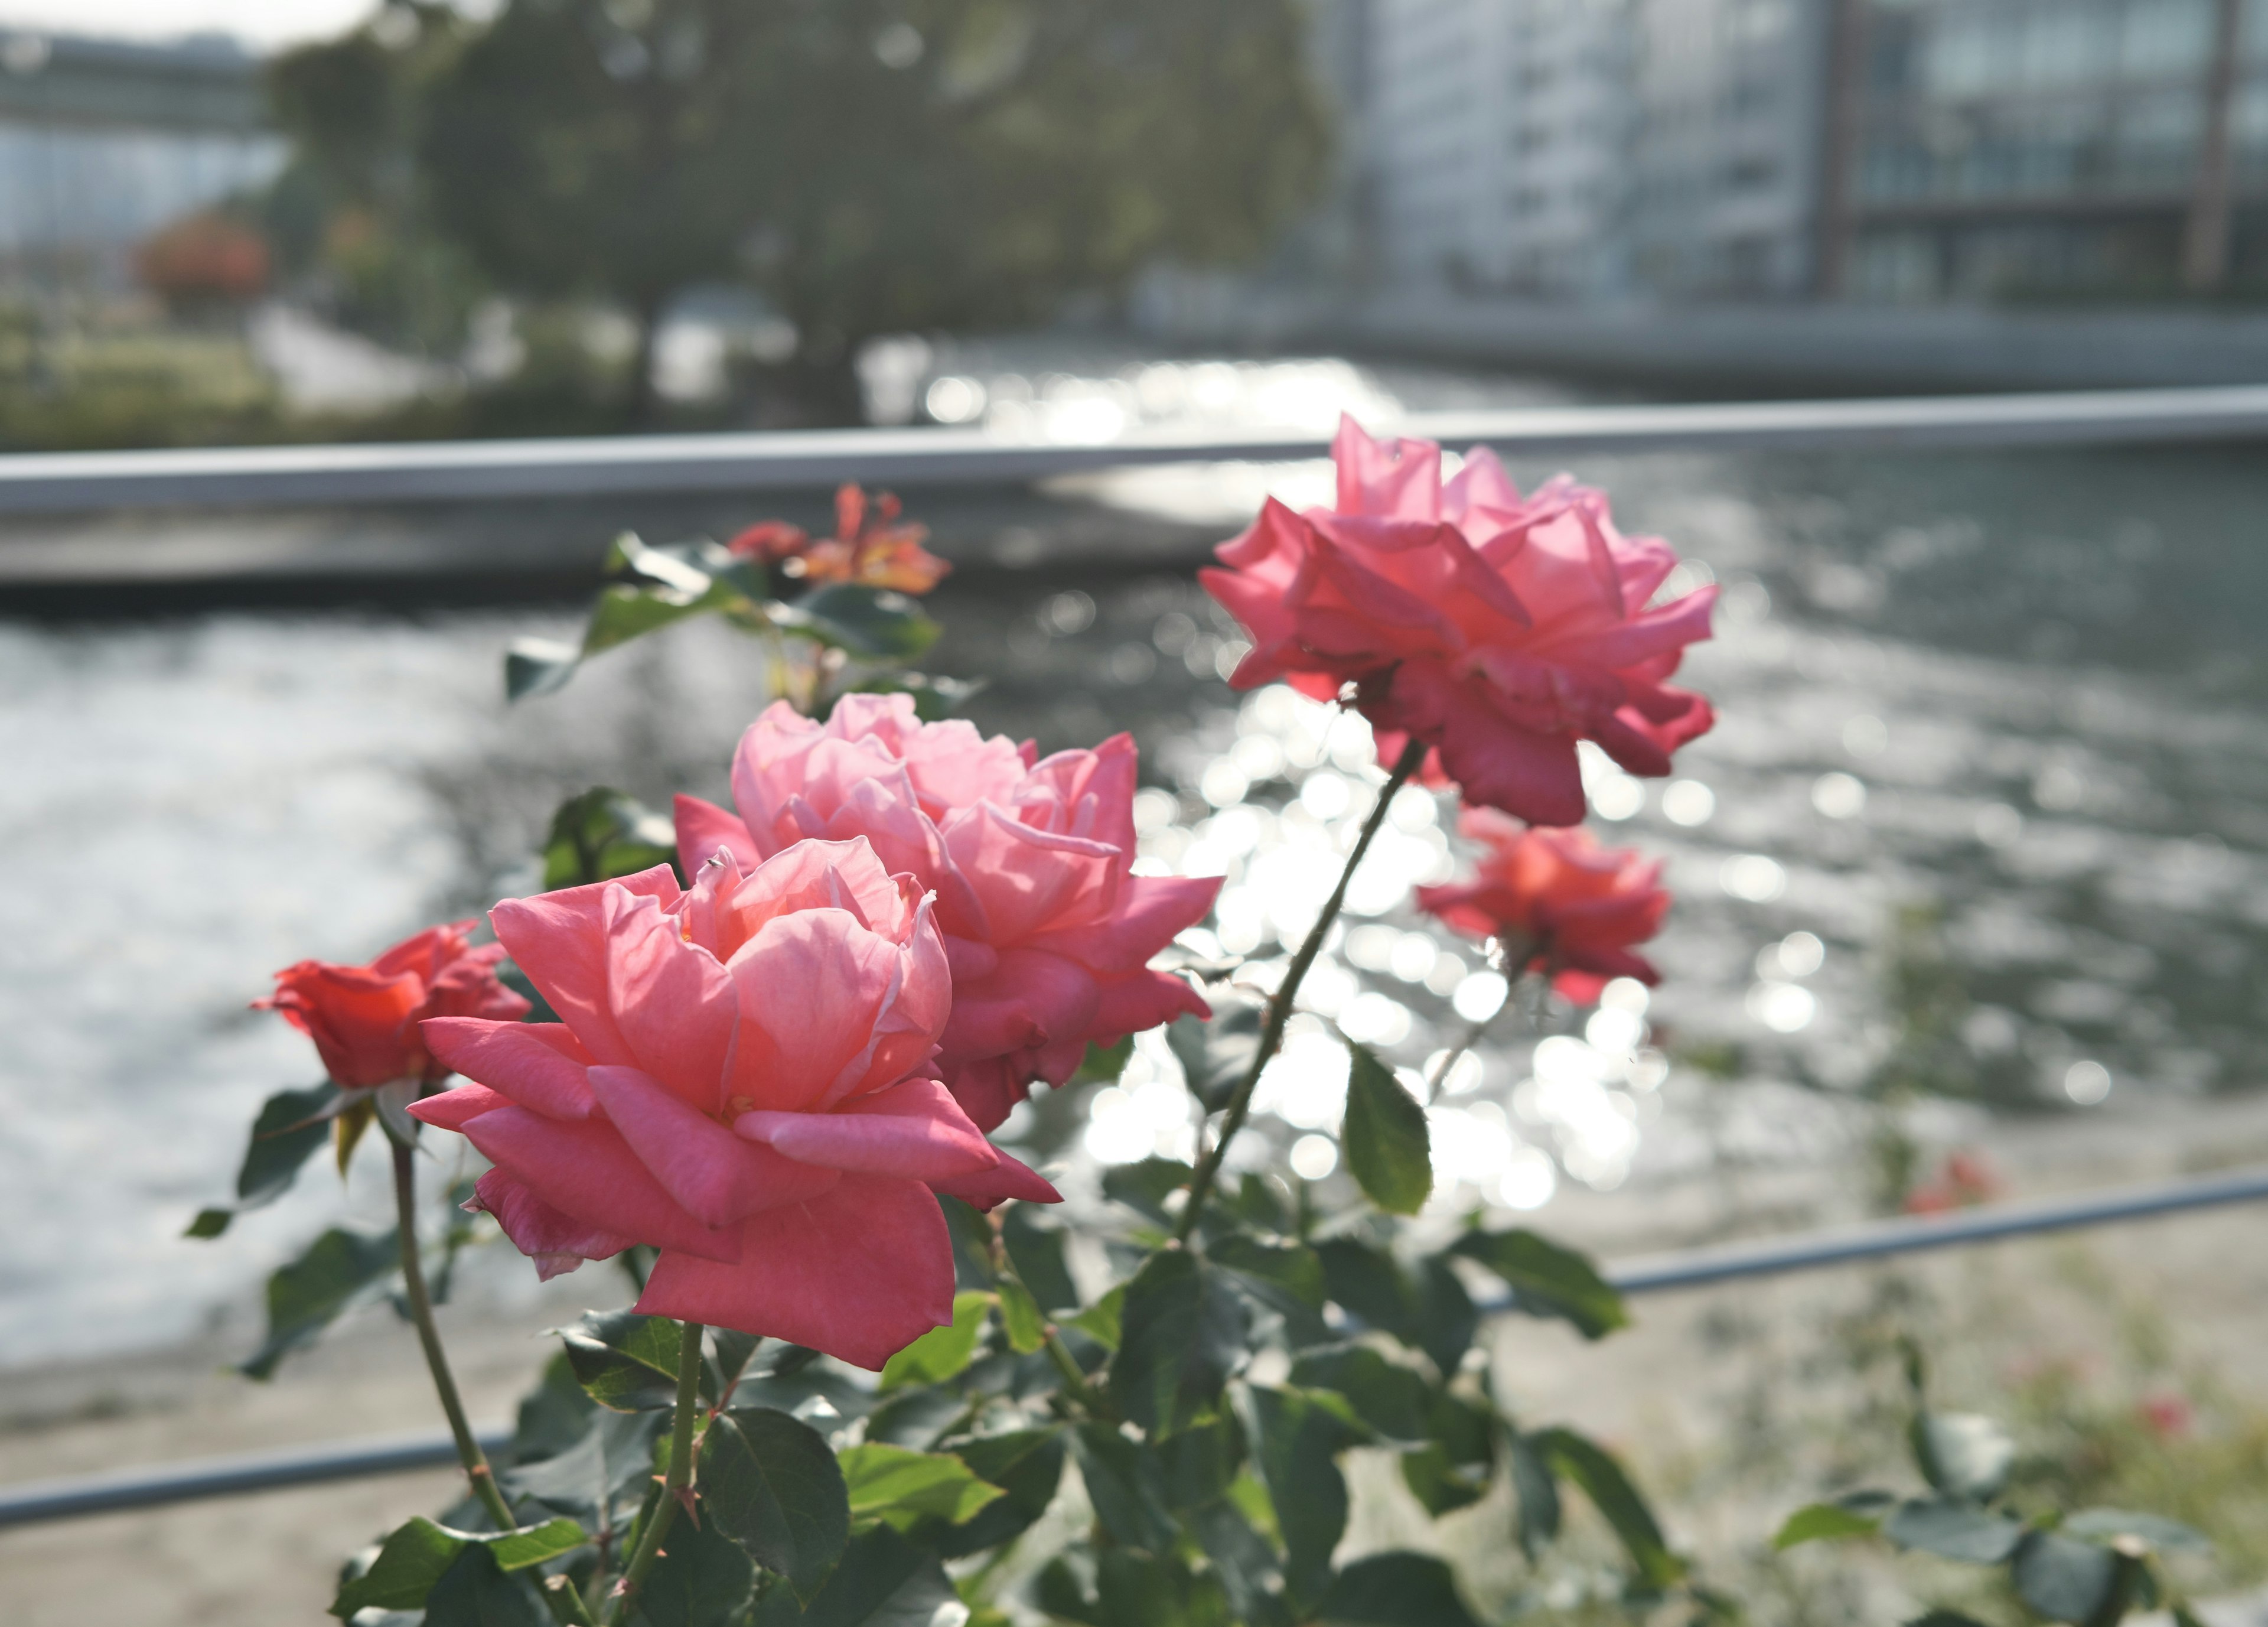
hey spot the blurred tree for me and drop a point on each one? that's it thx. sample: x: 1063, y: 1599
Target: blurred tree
x: 870, y: 165
x: 349, y: 209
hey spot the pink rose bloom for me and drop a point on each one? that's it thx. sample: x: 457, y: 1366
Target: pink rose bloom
x: 741, y: 1080
x: 1048, y: 932
x: 1498, y: 629
x: 1559, y: 901
x: 363, y: 1019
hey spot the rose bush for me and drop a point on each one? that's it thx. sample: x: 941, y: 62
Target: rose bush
x: 741, y: 1080
x: 1048, y: 932
x: 1559, y: 901
x: 1498, y: 629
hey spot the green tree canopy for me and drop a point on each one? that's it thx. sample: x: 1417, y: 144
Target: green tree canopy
x: 869, y: 166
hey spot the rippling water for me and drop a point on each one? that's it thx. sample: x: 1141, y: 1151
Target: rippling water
x: 2010, y: 701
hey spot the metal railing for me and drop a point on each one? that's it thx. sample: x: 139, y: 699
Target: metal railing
x: 134, y: 1489
x: 456, y: 471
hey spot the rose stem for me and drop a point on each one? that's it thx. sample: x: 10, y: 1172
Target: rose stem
x: 421, y: 1312
x: 679, y: 1475
x: 1472, y: 1036
x: 1280, y: 1006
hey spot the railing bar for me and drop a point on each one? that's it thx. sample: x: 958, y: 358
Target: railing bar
x: 63, y: 1499
x: 264, y: 476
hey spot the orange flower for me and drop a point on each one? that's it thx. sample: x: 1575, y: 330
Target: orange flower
x: 871, y: 546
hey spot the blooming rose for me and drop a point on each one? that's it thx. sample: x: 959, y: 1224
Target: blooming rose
x: 741, y: 1080
x: 363, y: 1019
x: 870, y: 546
x: 1048, y: 932
x: 1576, y: 906
x: 1498, y: 629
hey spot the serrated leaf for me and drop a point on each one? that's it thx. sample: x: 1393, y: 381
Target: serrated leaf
x: 1295, y: 1446
x: 1216, y: 1055
x: 1547, y: 1279
x: 1037, y: 1252
x: 1396, y: 1590
x: 290, y: 1125
x: 1181, y: 1335
x: 1145, y: 1186
x: 625, y: 1362
x: 1962, y: 1454
x: 1027, y: 1465
x: 1384, y: 1137
x: 1819, y: 1521
x: 893, y: 1484
x: 474, y: 1591
x: 340, y: 1271
x: 2068, y: 1581
x: 1954, y: 1528
x: 882, y: 1581
x: 1126, y: 1484
x: 942, y: 1352
x: 1282, y: 1280
x: 1393, y: 1401
x: 1020, y: 1318
x: 1590, y: 1466
x: 418, y: 1555
x: 602, y: 1475
x: 2155, y: 1530
x: 773, y: 1485
x: 1103, y: 1322
x: 733, y: 1350
x: 703, y: 1580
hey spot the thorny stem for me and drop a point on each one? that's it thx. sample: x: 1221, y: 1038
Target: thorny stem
x: 1280, y: 1006
x: 437, y: 1361
x: 673, y: 1486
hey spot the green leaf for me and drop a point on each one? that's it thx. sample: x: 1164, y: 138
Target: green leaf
x: 1126, y: 1483
x: 1284, y: 1280
x: 602, y: 834
x: 1037, y: 1252
x: 1396, y: 1590
x: 1199, y: 1465
x: 1216, y: 1055
x: 291, y: 1126
x: 1961, y: 1454
x: 1144, y: 1187
x: 1020, y: 1318
x: 1954, y: 1528
x: 1590, y: 1466
x: 733, y: 1350
x: 1942, y: 1617
x: 1245, y: 1562
x: 882, y: 1581
x: 936, y: 697
x: 1387, y: 1151
x: 772, y: 1485
x: 474, y: 1591
x: 1446, y: 1318
x: 1027, y: 1466
x: 941, y: 1352
x: 1181, y: 1333
x: 1103, y: 1322
x: 871, y: 622
x: 1296, y: 1441
x: 1821, y: 1520
x: 538, y: 666
x: 703, y: 1580
x: 1548, y: 1280
x: 1103, y: 1063
x: 893, y: 1484
x: 416, y: 1555
x: 1538, y: 1490
x: 1393, y: 1401
x: 624, y: 612
x: 604, y: 1475
x: 340, y: 1271
x: 1441, y: 1485
x: 2155, y: 1530
x: 1371, y: 1286
x: 2068, y: 1581
x: 625, y: 1362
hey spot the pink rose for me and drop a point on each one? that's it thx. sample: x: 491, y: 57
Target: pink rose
x: 742, y: 1081
x: 363, y: 1019
x: 1498, y: 629
x: 1559, y: 902
x: 1048, y: 932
